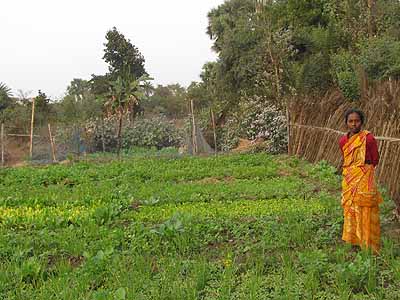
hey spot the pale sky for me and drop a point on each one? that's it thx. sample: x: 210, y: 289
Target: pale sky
x: 47, y: 43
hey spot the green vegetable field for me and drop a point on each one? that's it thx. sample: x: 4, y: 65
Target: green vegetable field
x: 249, y: 226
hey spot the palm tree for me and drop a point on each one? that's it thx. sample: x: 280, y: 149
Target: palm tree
x: 5, y: 96
x: 5, y: 100
x: 124, y: 97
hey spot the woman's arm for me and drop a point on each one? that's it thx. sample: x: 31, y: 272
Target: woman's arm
x: 372, y: 150
x: 342, y: 142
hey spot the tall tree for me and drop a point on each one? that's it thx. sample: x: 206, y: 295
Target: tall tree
x: 236, y: 40
x: 42, y: 109
x: 126, y: 84
x: 78, y: 87
x: 122, y: 55
x: 271, y: 49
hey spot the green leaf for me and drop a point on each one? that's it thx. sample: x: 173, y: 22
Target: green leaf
x: 120, y: 294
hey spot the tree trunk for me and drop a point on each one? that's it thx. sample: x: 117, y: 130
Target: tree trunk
x: 371, y: 17
x: 275, y: 63
x: 133, y: 112
x: 131, y: 115
x: 277, y: 77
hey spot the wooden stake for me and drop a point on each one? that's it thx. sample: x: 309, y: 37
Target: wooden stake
x: 2, y: 144
x: 195, y: 150
x: 103, y: 143
x: 53, y: 150
x: 214, y: 130
x: 78, y: 141
x: 288, y: 126
x: 32, y: 123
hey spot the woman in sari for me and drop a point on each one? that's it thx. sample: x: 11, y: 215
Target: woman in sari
x: 360, y: 196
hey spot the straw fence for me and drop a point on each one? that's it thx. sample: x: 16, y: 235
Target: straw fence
x: 317, y: 124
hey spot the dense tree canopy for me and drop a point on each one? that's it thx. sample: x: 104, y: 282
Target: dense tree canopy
x: 122, y: 56
x: 79, y: 104
x: 278, y: 48
x: 169, y: 100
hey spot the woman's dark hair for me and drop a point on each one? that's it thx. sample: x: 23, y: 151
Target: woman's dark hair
x: 352, y: 111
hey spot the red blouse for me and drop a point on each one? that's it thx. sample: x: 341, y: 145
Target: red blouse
x: 371, y: 155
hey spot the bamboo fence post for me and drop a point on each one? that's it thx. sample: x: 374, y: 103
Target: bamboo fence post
x: 195, y: 150
x: 20, y: 135
x: 53, y: 150
x: 103, y: 143
x: 32, y: 124
x: 2, y: 144
x: 214, y: 130
x: 189, y: 108
x: 288, y: 126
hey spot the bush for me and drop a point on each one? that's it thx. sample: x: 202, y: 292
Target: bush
x: 345, y: 75
x: 313, y: 74
x: 255, y: 120
x: 228, y: 136
x: 156, y: 132
x: 267, y: 122
x: 380, y: 58
x: 349, y: 85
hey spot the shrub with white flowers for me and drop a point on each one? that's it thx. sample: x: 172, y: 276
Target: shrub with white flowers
x: 155, y: 132
x: 265, y: 121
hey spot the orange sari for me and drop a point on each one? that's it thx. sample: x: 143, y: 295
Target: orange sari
x: 360, y: 197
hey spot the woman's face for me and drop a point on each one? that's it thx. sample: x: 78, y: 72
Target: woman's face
x: 354, y: 123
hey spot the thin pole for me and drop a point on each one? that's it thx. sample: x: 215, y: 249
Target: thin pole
x: 20, y: 135
x: 103, y: 143
x: 189, y: 107
x: 53, y: 150
x: 214, y: 130
x: 194, y: 128
x: 32, y: 123
x: 2, y: 144
x: 288, y: 126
